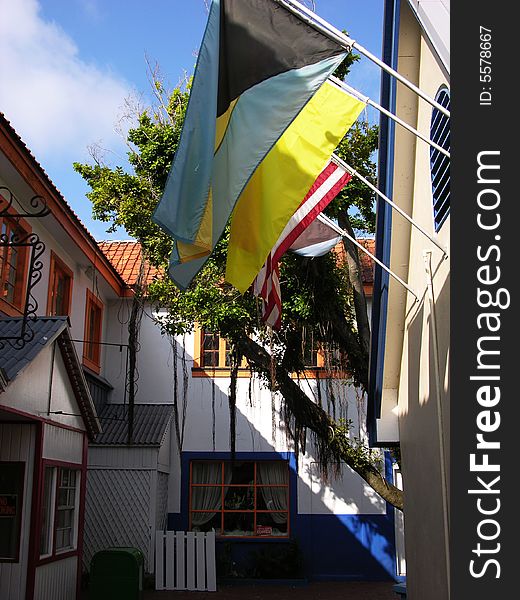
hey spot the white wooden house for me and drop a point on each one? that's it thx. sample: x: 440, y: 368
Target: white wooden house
x: 54, y: 286
x: 46, y: 418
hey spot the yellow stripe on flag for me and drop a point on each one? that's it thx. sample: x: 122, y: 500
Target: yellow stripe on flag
x: 222, y: 124
x: 202, y: 243
x: 283, y: 178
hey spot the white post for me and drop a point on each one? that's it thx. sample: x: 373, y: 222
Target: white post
x: 324, y: 219
x: 353, y: 171
x: 395, y: 118
x: 335, y: 34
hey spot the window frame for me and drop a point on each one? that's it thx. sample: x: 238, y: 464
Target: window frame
x: 93, y: 361
x: 221, y: 370
x: 58, y: 267
x: 255, y: 511
x: 52, y: 551
x: 440, y: 209
x: 15, y: 307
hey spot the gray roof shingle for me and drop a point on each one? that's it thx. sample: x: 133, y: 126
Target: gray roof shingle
x: 14, y: 359
x: 150, y: 422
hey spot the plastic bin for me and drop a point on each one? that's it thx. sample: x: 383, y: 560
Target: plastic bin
x: 116, y: 574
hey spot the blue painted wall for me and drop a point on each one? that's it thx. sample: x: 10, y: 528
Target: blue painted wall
x: 333, y: 547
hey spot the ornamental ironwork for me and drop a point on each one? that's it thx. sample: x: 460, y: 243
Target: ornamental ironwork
x: 36, y: 208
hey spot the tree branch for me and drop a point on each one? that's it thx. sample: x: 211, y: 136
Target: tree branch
x: 313, y: 417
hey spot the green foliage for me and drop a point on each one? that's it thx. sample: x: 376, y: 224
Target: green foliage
x: 352, y: 448
x: 317, y: 295
x: 344, y: 68
x: 356, y: 199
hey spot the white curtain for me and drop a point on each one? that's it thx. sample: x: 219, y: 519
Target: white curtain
x: 207, y: 498
x: 275, y: 498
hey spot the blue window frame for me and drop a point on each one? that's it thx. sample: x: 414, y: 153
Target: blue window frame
x: 440, y: 163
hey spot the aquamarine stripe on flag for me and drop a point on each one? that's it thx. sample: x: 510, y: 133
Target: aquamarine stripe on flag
x: 185, y: 195
x: 258, y: 121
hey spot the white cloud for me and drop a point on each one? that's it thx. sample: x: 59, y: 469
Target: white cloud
x: 58, y: 103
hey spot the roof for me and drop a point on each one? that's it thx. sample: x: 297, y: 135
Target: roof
x: 13, y: 359
x: 127, y: 257
x: 150, y: 422
x: 434, y: 17
x: 367, y: 264
x: 63, y: 207
x: 46, y: 330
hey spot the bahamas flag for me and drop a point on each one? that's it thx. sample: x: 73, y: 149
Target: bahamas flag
x: 258, y: 67
x: 285, y: 176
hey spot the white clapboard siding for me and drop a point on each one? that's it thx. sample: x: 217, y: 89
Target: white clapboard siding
x: 185, y: 561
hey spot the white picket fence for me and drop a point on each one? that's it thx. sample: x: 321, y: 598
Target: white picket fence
x: 185, y: 561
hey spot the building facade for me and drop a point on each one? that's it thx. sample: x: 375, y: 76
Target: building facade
x: 55, y: 287
x: 100, y: 470
x: 409, y: 378
x: 264, y: 500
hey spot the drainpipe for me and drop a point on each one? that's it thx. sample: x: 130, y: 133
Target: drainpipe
x: 51, y: 378
x: 440, y: 418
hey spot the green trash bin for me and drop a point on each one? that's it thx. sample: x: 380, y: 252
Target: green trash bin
x: 116, y: 574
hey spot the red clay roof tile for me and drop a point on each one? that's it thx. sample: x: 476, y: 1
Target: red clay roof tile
x: 126, y: 258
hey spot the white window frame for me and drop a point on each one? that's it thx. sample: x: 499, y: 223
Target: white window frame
x: 51, y: 510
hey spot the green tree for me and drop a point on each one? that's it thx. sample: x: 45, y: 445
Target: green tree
x: 323, y: 296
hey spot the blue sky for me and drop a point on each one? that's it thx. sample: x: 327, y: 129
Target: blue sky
x: 72, y: 69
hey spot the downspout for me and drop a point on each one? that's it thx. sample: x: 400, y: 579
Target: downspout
x: 51, y: 379
x: 440, y: 417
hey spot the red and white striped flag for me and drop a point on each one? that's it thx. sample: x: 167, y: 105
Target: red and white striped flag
x: 267, y: 283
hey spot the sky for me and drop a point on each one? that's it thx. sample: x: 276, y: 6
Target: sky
x: 71, y: 71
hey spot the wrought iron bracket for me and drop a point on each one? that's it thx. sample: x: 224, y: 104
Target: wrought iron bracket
x: 38, y: 206
x: 37, y: 209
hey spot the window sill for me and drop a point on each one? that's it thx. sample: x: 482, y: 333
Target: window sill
x: 9, y: 309
x: 321, y: 373
x: 224, y: 372
x: 58, y: 555
x: 95, y: 368
x: 218, y: 372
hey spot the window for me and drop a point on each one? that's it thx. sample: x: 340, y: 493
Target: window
x: 13, y: 263
x: 93, y: 324
x: 60, y: 288
x: 49, y: 487
x: 439, y: 163
x: 59, y: 525
x: 240, y: 498
x: 212, y: 355
x: 312, y: 353
x: 11, y: 506
x: 66, y: 509
x: 214, y: 350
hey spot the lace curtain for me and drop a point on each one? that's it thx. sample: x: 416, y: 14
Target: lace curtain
x: 275, y: 498
x: 207, y: 497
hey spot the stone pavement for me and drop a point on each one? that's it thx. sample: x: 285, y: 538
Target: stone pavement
x: 358, y: 590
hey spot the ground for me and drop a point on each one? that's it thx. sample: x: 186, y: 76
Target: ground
x: 312, y: 591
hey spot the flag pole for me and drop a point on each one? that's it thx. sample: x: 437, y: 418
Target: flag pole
x: 326, y: 221
x: 335, y: 34
x: 395, y: 118
x: 336, y: 159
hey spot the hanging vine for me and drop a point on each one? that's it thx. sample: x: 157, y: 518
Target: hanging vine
x: 235, y: 358
x: 134, y: 327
